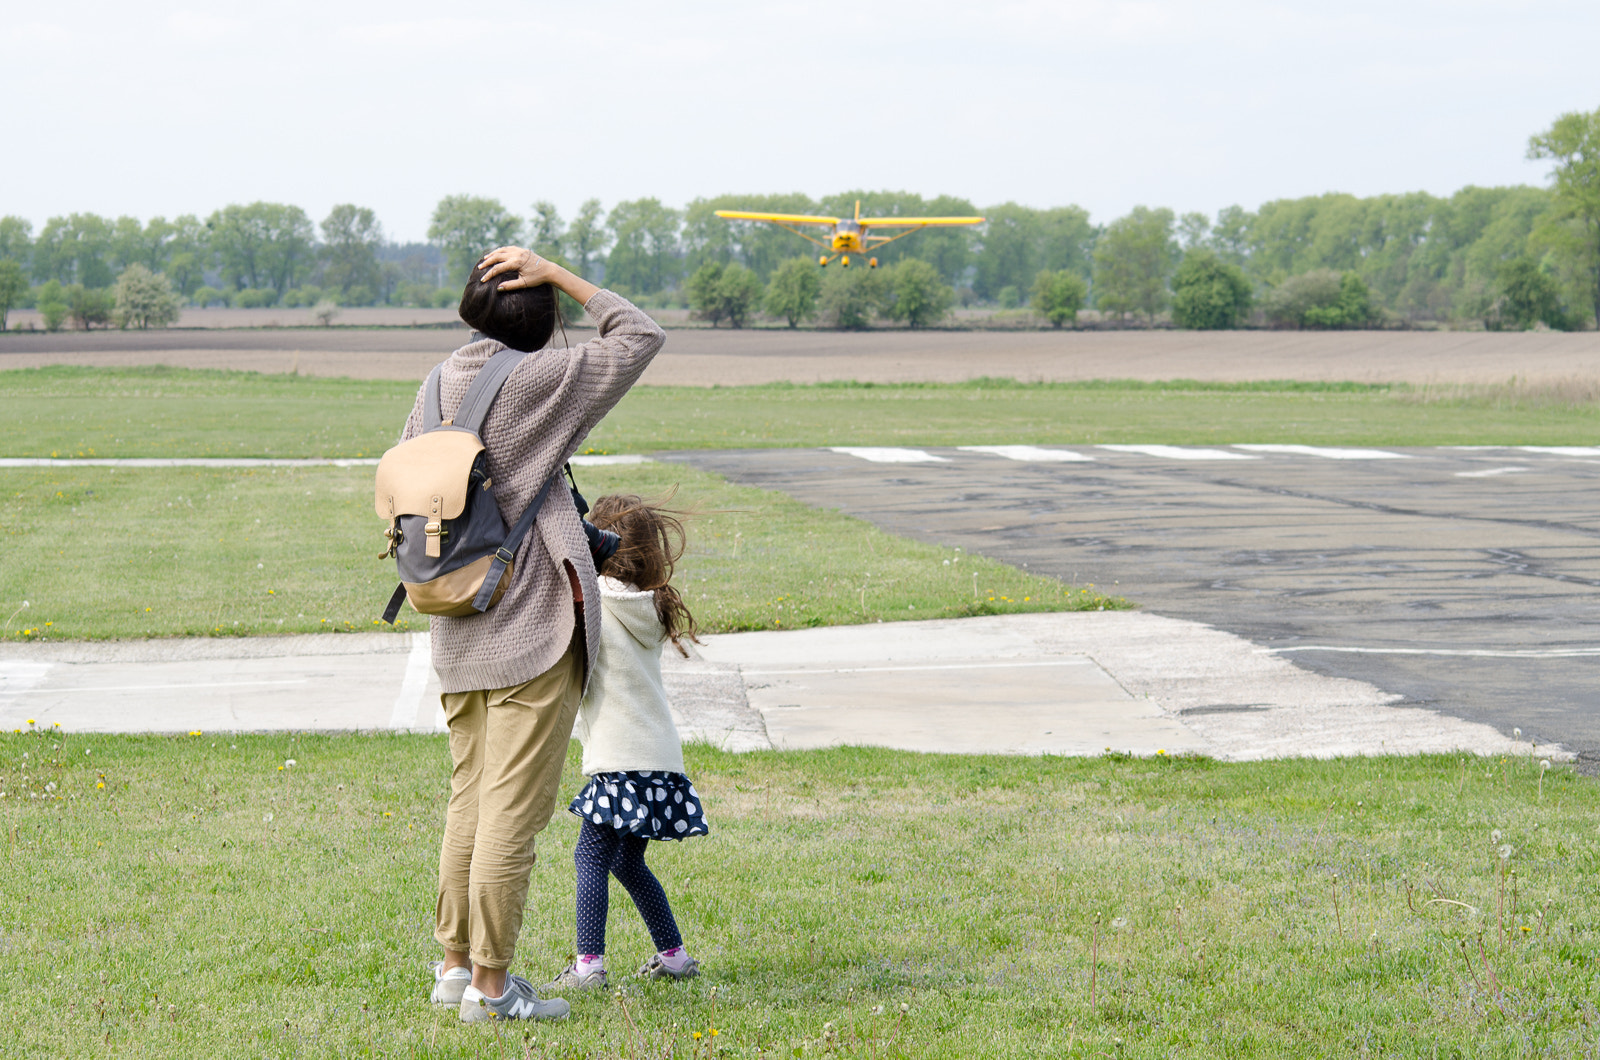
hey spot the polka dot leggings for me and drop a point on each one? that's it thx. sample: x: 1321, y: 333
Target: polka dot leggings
x: 601, y: 853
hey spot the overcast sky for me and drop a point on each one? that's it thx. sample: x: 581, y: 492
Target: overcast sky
x: 148, y: 109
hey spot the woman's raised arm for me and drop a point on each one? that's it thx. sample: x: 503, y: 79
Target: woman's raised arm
x: 533, y: 270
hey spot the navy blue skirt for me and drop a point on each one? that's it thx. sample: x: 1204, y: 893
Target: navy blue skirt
x: 650, y: 803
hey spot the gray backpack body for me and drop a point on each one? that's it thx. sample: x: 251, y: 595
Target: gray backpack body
x: 446, y: 534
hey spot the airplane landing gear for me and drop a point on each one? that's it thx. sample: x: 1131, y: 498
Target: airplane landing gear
x: 872, y: 263
x: 823, y: 261
x: 845, y: 261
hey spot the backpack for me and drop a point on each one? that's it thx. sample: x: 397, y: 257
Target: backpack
x: 445, y: 532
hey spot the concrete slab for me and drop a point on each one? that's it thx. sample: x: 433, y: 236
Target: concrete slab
x: 1068, y: 684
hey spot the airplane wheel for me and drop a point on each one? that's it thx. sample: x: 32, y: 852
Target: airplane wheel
x: 872, y: 263
x: 845, y: 261
x: 823, y: 261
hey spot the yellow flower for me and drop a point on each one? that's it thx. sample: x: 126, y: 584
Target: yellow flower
x: 30, y: 721
x: 386, y: 813
x: 100, y: 786
x: 194, y: 732
x: 697, y: 1036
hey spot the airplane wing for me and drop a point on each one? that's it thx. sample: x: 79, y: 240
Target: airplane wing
x: 917, y: 222
x: 779, y: 218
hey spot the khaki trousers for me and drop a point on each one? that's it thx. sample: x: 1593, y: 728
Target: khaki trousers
x: 507, y: 748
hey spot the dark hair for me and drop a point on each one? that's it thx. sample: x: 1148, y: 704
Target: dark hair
x: 652, y: 543
x: 522, y: 319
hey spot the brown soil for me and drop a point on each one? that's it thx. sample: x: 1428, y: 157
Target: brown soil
x: 703, y: 357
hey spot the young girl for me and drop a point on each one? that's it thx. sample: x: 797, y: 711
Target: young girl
x: 637, y: 790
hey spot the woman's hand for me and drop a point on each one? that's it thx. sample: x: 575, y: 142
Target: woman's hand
x: 532, y: 270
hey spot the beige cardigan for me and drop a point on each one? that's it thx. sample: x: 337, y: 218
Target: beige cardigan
x: 545, y: 410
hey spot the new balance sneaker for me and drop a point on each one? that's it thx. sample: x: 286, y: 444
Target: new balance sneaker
x: 656, y: 968
x: 572, y: 979
x: 519, y: 1002
x: 448, y: 983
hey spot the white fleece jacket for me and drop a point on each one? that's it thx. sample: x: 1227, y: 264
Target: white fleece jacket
x: 625, y: 723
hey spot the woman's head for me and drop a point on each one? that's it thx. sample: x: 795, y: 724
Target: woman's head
x: 522, y: 319
x: 653, y: 541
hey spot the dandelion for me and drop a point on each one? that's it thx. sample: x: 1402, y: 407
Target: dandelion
x: 1161, y: 750
x: 98, y: 787
x: 289, y: 762
x: 1494, y: 836
x: 697, y: 1036
x: 267, y: 818
x: 1505, y: 852
x: 31, y: 721
x: 194, y: 732
x: 386, y: 813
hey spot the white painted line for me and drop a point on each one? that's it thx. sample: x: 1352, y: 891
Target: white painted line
x: 1028, y: 453
x: 1562, y: 450
x: 1326, y: 453
x: 1489, y: 472
x: 921, y: 669
x: 600, y: 460
x: 1173, y: 452
x: 162, y: 688
x: 888, y: 454
x: 17, y: 677
x: 408, y: 704
x: 1465, y: 653
x: 183, y: 462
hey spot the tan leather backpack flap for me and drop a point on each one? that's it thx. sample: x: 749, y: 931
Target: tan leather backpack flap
x: 427, y: 475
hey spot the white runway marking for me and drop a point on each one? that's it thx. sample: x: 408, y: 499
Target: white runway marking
x: 408, y: 704
x: 1325, y: 453
x: 1019, y: 664
x: 19, y: 677
x: 1173, y: 452
x: 1028, y: 453
x: 166, y: 688
x: 199, y: 461
x: 589, y: 460
x: 889, y: 454
x: 1490, y: 472
x: 1466, y: 653
x: 1562, y: 450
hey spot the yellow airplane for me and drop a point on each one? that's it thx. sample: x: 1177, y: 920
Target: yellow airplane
x: 848, y: 236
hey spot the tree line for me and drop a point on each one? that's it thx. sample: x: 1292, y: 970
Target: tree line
x: 1507, y: 257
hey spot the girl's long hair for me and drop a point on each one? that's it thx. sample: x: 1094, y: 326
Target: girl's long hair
x: 653, y: 541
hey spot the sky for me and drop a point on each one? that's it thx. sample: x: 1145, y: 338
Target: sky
x: 163, y: 109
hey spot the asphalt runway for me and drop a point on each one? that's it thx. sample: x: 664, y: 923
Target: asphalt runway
x: 1464, y: 580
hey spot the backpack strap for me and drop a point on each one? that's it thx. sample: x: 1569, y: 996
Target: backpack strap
x: 505, y: 553
x: 485, y: 386
x: 432, y: 416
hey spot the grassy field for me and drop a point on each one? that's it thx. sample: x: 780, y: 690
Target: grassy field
x: 187, y: 897
x: 71, y: 412
x: 108, y: 552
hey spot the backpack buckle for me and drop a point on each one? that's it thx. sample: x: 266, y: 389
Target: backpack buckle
x: 435, y: 531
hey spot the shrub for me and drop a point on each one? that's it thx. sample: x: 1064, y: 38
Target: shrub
x: 88, y: 306
x: 300, y: 297
x: 1321, y: 298
x: 1057, y: 296
x: 209, y: 296
x: 792, y: 294
x: 145, y: 298
x: 849, y: 298
x: 1008, y: 297
x: 324, y: 312
x: 255, y: 298
x: 723, y: 292
x: 1528, y: 296
x: 917, y: 294
x: 1209, y: 294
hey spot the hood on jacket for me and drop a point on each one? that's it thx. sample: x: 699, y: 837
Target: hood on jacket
x: 633, y: 609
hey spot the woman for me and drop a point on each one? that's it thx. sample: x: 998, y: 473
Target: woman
x: 512, y: 677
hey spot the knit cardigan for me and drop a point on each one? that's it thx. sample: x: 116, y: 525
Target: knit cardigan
x: 546, y: 408
x: 625, y: 722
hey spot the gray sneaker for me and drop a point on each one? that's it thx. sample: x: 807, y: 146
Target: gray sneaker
x: 656, y: 968
x: 569, y: 979
x: 448, y: 986
x: 519, y: 1002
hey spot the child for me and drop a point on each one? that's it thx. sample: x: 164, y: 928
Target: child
x: 637, y: 790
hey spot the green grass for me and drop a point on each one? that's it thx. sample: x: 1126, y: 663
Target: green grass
x: 107, y: 552
x: 146, y: 412
x: 206, y: 903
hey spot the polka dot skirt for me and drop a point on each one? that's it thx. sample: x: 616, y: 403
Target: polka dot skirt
x: 651, y: 804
